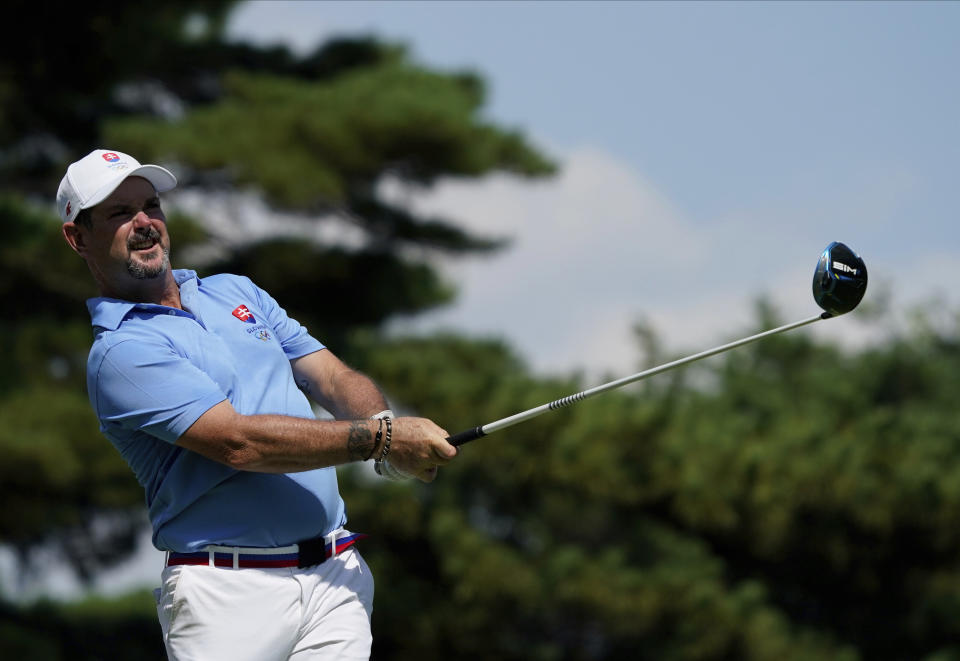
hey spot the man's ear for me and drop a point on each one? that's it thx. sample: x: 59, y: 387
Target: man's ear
x: 74, y: 235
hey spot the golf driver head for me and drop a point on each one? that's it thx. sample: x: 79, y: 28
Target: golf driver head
x: 840, y: 280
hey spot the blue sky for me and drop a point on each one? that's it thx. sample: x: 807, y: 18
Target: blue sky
x: 709, y: 152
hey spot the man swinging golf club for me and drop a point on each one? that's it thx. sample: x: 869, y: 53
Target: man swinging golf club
x: 202, y: 384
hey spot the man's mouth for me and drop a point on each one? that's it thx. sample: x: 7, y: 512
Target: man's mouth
x: 144, y: 242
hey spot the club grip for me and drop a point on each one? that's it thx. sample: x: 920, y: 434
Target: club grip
x: 466, y: 436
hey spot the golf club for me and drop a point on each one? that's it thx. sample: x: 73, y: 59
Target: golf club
x: 839, y: 283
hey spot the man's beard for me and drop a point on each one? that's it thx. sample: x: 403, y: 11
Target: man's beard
x: 142, y: 271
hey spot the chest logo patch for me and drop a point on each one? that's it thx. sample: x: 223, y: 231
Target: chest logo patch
x: 244, y: 314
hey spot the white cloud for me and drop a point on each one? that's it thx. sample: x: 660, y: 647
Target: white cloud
x: 598, y: 248
x: 593, y: 249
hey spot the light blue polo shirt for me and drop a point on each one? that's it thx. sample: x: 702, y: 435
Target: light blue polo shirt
x: 153, y: 370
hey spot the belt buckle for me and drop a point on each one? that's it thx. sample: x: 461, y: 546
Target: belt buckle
x: 311, y: 552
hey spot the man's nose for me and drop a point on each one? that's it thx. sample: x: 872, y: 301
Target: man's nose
x: 141, y: 219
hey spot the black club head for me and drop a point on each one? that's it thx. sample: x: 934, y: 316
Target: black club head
x: 840, y: 280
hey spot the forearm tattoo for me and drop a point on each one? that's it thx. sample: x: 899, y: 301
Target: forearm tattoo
x: 359, y: 441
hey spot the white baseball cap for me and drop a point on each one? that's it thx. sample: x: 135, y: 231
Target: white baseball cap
x: 89, y: 181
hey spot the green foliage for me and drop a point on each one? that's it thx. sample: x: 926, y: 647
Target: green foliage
x: 61, y: 479
x: 60, y: 71
x: 318, y: 144
x: 41, y: 276
x: 63, y: 486
x: 801, y: 505
x: 95, y: 629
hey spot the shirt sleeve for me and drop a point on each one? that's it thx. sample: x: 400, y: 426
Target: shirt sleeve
x: 151, y: 388
x: 294, y: 338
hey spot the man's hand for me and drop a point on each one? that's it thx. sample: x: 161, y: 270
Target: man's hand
x: 418, y: 447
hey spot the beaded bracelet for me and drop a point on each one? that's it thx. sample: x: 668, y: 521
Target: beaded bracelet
x: 386, y: 446
x: 376, y: 440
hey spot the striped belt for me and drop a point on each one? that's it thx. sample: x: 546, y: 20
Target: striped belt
x: 303, y: 554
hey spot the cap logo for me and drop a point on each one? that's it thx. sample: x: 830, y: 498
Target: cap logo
x: 67, y: 212
x: 110, y: 157
x: 243, y: 314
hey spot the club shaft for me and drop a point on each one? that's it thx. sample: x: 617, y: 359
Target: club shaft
x: 491, y: 427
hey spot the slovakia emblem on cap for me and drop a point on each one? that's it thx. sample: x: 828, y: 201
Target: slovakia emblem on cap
x: 110, y: 157
x: 244, y: 314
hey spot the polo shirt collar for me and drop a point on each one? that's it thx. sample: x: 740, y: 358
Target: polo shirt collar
x: 108, y: 313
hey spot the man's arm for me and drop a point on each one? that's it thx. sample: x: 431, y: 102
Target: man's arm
x: 344, y: 392
x: 287, y: 444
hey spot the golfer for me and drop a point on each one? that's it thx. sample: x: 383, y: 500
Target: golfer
x: 202, y: 385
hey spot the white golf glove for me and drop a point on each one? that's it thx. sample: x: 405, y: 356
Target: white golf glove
x: 389, y: 472
x: 384, y: 468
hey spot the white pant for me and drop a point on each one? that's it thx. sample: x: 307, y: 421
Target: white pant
x: 322, y: 612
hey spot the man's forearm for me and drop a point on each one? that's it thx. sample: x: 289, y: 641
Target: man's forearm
x: 344, y: 392
x: 285, y: 444
x: 279, y: 443
x: 355, y: 395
